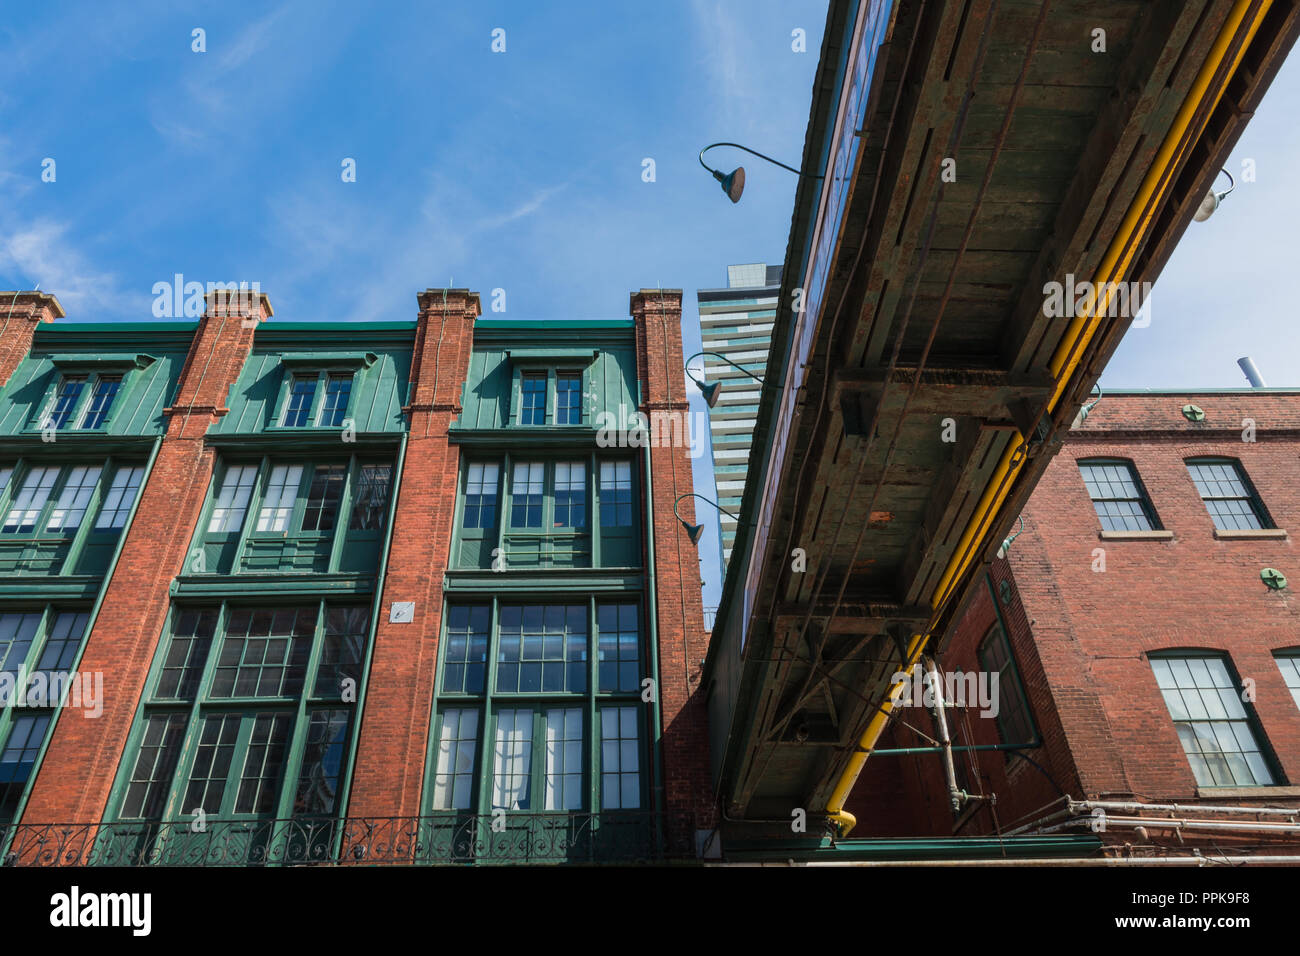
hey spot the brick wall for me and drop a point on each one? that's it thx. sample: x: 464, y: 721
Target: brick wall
x: 1081, y: 637
x: 19, y: 314
x: 395, y: 722
x: 682, y: 638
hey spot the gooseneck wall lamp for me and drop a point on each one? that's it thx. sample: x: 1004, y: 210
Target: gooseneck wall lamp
x: 711, y: 389
x: 1212, y: 199
x: 733, y: 183
x: 694, y: 531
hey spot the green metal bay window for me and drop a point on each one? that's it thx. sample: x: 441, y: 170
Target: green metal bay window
x: 525, y: 511
x: 44, y: 509
x: 246, y: 717
x: 294, y: 515
x: 539, y: 709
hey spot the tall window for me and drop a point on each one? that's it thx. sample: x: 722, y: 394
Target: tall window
x: 266, y: 722
x: 278, y: 502
x: 1014, y: 722
x: 568, y: 398
x: 302, y: 393
x: 66, y: 398
x: 338, y: 388
x: 1228, y: 497
x: 31, y: 642
x: 101, y: 401
x: 480, y: 509
x: 616, y: 494
x: 371, y: 505
x: 570, y: 494
x: 523, y: 678
x: 532, y: 410
x: 232, y: 499
x: 1217, y: 734
x: 526, y: 494
x: 1288, y: 663
x: 120, y: 497
x: 1118, y: 496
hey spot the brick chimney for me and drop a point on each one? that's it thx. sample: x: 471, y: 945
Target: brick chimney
x: 19, y: 313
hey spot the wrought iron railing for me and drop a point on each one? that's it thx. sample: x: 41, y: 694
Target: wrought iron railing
x: 449, y: 838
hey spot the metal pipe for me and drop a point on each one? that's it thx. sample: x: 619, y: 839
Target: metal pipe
x: 1169, y: 823
x: 1182, y: 807
x: 652, y: 633
x: 956, y: 795
x: 1252, y: 374
x: 1119, y: 861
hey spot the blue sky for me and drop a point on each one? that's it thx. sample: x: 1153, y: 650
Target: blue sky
x: 519, y: 170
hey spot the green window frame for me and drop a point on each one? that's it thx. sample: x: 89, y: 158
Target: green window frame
x: 1228, y: 495
x: 549, y: 391
x: 35, y: 640
x: 1221, y: 738
x: 529, y: 717
x: 247, y: 714
x: 59, y: 516
x: 316, y: 398
x: 1015, y: 719
x: 80, y: 401
x: 547, y: 510
x: 294, y: 514
x: 568, y: 398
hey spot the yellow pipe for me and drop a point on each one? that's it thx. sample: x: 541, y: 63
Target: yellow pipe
x: 1063, y: 365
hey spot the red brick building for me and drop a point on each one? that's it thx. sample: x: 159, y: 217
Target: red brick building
x: 406, y: 591
x: 1146, y: 635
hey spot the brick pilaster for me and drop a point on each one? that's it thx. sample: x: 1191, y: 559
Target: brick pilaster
x: 394, y: 732
x: 20, y: 313
x: 682, y: 639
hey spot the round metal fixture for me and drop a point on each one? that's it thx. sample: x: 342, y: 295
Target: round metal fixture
x: 1274, y: 578
x: 1193, y: 413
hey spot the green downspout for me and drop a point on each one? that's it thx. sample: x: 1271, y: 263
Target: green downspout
x: 90, y: 625
x: 370, y: 649
x: 653, y: 625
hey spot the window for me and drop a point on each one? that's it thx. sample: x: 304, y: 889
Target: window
x: 53, y: 499
x: 1216, y: 733
x: 570, y: 494
x: 457, y: 742
x: 101, y: 400
x: 81, y: 401
x: 66, y: 398
x: 1228, y: 497
x: 338, y: 388
x: 542, y: 649
x: 31, y: 642
x: 532, y: 410
x: 619, y: 647
x: 568, y: 398
x: 266, y: 723
x: 1288, y: 663
x: 526, y: 495
x: 232, y: 499
x: 533, y: 663
x: 1014, y: 722
x: 277, y: 505
x: 1118, y: 496
x: 620, y: 759
x: 120, y: 497
x: 302, y: 392
x: 323, y: 497
x: 616, y: 494
x: 372, y: 498
x: 480, y: 509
